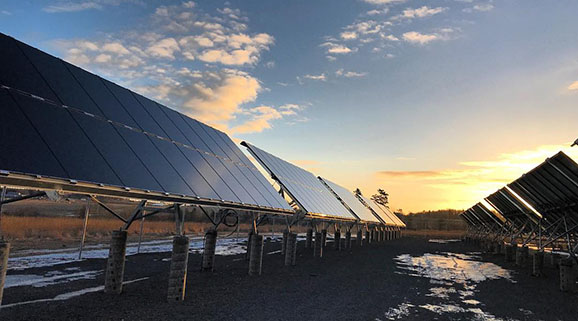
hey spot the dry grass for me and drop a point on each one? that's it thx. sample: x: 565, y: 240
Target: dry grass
x: 66, y: 228
x: 435, y: 234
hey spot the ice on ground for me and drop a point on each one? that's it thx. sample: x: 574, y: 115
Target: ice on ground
x: 441, y: 292
x: 443, y: 241
x: 399, y: 312
x: 51, y: 278
x: 453, y: 268
x: 443, y: 308
x: 471, y: 302
x: 41, y: 258
x: 68, y: 295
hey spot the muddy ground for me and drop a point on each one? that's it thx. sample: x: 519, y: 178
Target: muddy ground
x: 389, y: 281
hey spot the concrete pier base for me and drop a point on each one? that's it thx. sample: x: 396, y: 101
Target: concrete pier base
x: 522, y: 256
x: 567, y: 275
x: 537, y: 263
x: 309, y: 239
x: 115, y: 263
x: 209, y: 251
x: 318, y: 245
x: 367, y: 238
x: 555, y: 260
x: 509, y: 252
x: 323, y: 238
x: 291, y: 249
x: 248, y: 252
x: 359, y: 239
x: 498, y: 248
x: 337, y: 240
x: 178, y: 272
x: 256, y: 259
x: 284, y: 241
x: 347, y: 244
x: 4, y: 252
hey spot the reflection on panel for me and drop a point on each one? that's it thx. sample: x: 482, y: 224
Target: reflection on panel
x: 347, y: 197
x: 303, y: 187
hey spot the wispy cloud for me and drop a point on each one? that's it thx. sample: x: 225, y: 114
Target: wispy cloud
x: 75, y: 6
x: 573, y: 86
x: 381, y: 2
x: 480, y: 7
x: 422, y: 12
x: 350, y: 74
x: 419, y: 38
x: 315, y: 77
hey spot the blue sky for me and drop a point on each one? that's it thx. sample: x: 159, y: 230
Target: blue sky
x: 438, y: 102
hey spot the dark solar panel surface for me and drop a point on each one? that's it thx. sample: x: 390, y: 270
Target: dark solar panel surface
x: 89, y: 129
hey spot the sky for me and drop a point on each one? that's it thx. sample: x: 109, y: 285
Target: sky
x: 440, y: 103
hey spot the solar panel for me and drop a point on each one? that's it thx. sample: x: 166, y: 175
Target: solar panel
x: 349, y: 199
x: 302, y: 186
x: 377, y: 211
x: 62, y: 122
x: 392, y: 215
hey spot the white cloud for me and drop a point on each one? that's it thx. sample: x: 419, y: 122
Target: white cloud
x: 316, y: 77
x: 116, y: 48
x: 164, y: 48
x: 375, y: 12
x: 380, y: 2
x: 484, y: 7
x: 350, y: 74
x: 390, y: 37
x: 422, y: 12
x: 331, y: 58
x: 64, y: 6
x: 71, y: 7
x: 333, y: 48
x: 573, y: 86
x: 415, y: 37
x: 348, y: 35
x: 6, y: 12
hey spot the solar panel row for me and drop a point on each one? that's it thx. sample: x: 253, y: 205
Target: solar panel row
x: 302, y: 186
x: 120, y: 138
x: 545, y: 195
x: 349, y: 199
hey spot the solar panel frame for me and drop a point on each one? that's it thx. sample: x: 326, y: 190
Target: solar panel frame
x: 378, y: 212
x: 392, y: 215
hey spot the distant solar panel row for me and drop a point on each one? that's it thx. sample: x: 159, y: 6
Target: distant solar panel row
x: 79, y: 126
x: 303, y: 186
x: 320, y: 196
x: 357, y: 209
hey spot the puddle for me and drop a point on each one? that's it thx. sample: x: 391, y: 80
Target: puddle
x: 453, y: 280
x: 68, y: 295
x: 442, y: 241
x: 451, y: 267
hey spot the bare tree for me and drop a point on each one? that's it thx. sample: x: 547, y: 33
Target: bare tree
x: 382, y: 197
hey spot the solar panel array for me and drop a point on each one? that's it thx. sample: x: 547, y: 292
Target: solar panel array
x: 81, y: 127
x: 302, y: 186
x: 544, y: 199
x: 350, y: 201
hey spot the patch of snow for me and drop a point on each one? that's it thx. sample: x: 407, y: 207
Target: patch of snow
x: 399, y: 312
x: 68, y: 295
x: 39, y: 281
x: 443, y: 241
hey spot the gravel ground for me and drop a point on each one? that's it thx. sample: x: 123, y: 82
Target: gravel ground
x: 365, y: 283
